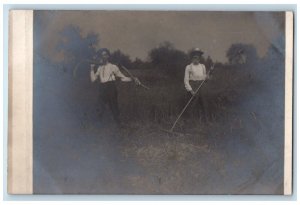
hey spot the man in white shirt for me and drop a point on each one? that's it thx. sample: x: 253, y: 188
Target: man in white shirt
x: 107, y: 73
x: 195, y: 74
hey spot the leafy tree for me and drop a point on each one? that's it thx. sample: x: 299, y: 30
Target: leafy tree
x: 240, y: 53
x: 75, y: 47
x: 76, y: 50
x: 161, y: 54
x: 235, y: 54
x: 167, y: 58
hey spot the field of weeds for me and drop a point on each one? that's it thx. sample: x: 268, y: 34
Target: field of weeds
x: 239, y: 151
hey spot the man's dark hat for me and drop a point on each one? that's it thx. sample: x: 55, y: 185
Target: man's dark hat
x: 101, y: 50
x: 196, y: 52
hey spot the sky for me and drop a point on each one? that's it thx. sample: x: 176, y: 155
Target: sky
x: 135, y: 33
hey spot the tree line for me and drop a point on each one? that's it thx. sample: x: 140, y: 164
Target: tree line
x: 165, y: 57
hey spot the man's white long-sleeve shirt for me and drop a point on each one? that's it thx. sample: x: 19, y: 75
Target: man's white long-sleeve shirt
x: 194, y: 73
x: 108, y: 72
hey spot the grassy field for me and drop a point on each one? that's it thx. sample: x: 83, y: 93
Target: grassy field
x: 166, y: 98
x: 240, y: 151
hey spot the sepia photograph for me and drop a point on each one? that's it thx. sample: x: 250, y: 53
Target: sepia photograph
x: 158, y: 102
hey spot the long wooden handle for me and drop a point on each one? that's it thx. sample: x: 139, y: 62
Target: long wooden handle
x: 132, y: 76
x: 187, y: 104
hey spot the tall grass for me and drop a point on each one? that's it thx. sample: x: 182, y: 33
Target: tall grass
x: 165, y: 99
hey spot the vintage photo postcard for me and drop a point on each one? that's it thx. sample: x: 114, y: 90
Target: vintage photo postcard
x: 150, y: 102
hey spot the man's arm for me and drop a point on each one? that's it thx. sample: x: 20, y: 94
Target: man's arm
x: 94, y: 75
x: 187, y: 80
x: 204, y: 70
x: 120, y: 75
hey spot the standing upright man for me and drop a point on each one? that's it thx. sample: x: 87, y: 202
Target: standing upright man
x: 195, y: 74
x: 107, y: 74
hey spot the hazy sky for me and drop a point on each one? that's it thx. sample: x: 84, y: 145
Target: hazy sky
x: 136, y: 32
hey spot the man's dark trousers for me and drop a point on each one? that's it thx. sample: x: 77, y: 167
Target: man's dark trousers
x: 108, y: 95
